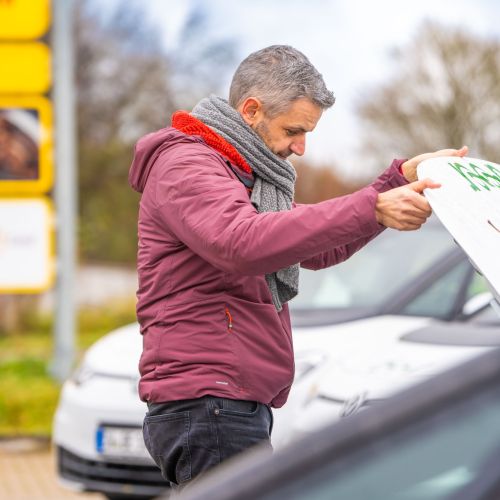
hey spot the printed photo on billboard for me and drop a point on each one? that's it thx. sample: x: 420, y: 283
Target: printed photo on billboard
x: 19, y: 144
x: 25, y: 145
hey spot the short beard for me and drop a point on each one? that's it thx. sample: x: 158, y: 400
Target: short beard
x: 262, y: 131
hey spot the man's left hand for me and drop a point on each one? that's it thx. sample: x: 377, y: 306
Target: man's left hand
x: 409, y: 167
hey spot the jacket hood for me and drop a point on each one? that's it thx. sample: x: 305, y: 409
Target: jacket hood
x: 149, y: 148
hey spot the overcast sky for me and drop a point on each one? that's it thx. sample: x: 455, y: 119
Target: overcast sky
x: 347, y: 40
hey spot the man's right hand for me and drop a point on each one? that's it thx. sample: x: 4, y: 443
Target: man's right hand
x: 404, y: 208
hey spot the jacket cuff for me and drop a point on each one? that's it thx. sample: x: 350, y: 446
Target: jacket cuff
x: 391, y: 178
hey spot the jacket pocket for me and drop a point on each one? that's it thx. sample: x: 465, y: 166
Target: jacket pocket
x: 237, y: 407
x: 262, y: 347
x: 196, y: 347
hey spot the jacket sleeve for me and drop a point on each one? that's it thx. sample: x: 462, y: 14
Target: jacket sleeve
x: 199, y: 201
x: 389, y: 179
x: 338, y: 254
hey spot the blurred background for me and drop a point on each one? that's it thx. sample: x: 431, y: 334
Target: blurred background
x: 409, y: 77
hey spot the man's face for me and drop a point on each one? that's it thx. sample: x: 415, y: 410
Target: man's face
x: 285, y: 133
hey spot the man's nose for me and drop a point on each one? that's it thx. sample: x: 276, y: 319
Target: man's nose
x: 298, y: 147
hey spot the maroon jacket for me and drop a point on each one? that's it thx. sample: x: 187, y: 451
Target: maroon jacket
x: 206, y: 314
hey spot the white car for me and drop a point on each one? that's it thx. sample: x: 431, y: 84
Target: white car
x: 346, y: 356
x: 362, y: 363
x: 97, y: 426
x: 98, y: 423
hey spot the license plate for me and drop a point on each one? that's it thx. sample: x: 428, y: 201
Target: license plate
x: 124, y: 442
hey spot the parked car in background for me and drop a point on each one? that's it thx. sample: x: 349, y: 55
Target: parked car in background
x: 438, y: 440
x: 361, y: 363
x: 98, y: 423
x: 416, y: 273
x: 346, y: 356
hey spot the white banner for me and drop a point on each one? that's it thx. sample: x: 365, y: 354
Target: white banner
x: 468, y: 204
x: 26, y: 245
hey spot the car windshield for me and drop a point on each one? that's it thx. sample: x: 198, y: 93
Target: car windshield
x: 368, y: 278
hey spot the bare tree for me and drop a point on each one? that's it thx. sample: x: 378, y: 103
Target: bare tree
x: 446, y: 93
x: 128, y: 85
x: 319, y: 182
x: 202, y: 66
x: 122, y: 75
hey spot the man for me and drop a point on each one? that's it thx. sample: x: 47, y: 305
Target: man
x: 220, y: 246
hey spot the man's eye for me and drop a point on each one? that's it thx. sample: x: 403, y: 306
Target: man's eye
x: 290, y: 132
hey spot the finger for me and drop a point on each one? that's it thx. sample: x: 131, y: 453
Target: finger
x: 422, y: 205
x: 419, y: 186
x: 414, y: 203
x: 461, y: 152
x: 404, y: 224
x: 444, y: 152
x: 452, y: 152
x: 411, y: 227
x: 418, y: 212
x: 408, y: 227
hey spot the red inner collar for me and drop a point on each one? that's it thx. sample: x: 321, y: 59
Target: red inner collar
x: 189, y: 125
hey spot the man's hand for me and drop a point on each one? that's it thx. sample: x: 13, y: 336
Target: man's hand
x: 409, y: 167
x: 404, y: 208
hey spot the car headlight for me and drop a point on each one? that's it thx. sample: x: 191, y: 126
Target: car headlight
x: 307, y: 361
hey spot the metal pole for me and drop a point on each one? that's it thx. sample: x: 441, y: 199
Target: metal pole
x: 65, y: 187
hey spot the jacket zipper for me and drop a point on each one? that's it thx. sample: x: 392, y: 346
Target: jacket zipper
x: 229, y: 320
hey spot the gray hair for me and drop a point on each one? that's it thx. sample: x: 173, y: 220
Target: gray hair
x: 278, y: 75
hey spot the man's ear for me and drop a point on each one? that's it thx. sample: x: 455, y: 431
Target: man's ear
x: 251, y: 110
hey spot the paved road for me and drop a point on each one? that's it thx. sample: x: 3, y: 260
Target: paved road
x: 27, y: 472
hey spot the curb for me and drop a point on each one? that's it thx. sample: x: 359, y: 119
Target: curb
x: 24, y: 444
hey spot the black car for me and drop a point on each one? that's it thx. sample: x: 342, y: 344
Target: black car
x: 439, y: 440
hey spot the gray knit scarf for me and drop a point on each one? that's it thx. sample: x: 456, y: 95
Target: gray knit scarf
x: 274, y: 184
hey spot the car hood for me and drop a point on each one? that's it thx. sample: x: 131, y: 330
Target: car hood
x: 302, y: 318
x: 374, y: 357
x: 117, y: 353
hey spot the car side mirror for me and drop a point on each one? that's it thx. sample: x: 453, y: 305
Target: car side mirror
x: 477, y: 303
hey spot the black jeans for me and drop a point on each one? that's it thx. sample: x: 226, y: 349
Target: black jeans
x: 188, y: 437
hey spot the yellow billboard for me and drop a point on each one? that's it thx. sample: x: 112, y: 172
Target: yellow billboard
x: 24, y: 19
x: 26, y: 163
x: 24, y: 68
